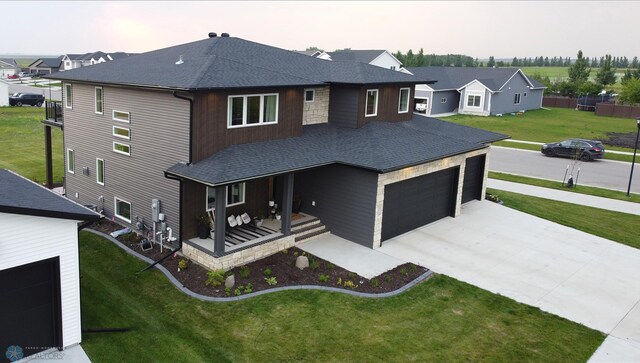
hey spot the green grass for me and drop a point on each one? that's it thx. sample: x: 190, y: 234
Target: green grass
x: 581, y: 189
x: 615, y: 226
x: 562, y: 73
x: 439, y: 320
x: 22, y: 149
x: 607, y: 156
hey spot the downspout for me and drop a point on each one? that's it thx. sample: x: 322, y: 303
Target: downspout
x: 176, y: 95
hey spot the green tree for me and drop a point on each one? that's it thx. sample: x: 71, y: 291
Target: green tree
x: 579, y: 71
x: 491, y: 62
x: 606, y: 75
x: 567, y: 88
x: 314, y: 49
x: 409, y: 60
x: 631, y: 91
x: 545, y: 80
x: 419, y: 61
x: 589, y: 88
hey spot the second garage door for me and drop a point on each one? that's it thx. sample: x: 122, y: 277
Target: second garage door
x: 418, y: 201
x: 473, y: 178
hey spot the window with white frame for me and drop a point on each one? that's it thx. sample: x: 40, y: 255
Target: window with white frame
x: 121, y: 116
x: 371, y: 104
x: 122, y: 209
x: 516, y: 99
x: 121, y: 148
x: 474, y: 100
x: 252, y: 110
x: 121, y: 132
x: 68, y: 95
x: 403, y: 102
x: 98, y: 100
x: 443, y: 100
x: 235, y: 195
x: 100, y: 171
x: 71, y: 161
x: 309, y: 95
x: 393, y: 68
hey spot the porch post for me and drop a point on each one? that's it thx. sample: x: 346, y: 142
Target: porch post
x: 221, y: 220
x: 48, y: 157
x: 287, y: 204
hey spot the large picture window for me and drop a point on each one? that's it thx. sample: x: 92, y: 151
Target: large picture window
x: 235, y: 195
x: 474, y: 100
x: 251, y: 110
x: 371, y: 107
x: 403, y: 103
x: 122, y: 209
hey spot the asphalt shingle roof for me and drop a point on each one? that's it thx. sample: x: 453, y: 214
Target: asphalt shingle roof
x: 228, y: 62
x: 21, y: 196
x: 456, y: 77
x: 378, y: 146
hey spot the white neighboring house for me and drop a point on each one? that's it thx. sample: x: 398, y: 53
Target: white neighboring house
x: 8, y: 67
x: 4, y: 94
x: 39, y: 268
x: 378, y: 57
x: 72, y: 61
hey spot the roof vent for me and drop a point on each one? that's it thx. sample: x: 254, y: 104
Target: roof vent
x: 225, y: 35
x: 213, y: 35
x: 180, y: 61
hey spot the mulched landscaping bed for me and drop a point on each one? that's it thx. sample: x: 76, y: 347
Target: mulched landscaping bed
x: 252, y: 277
x: 621, y: 139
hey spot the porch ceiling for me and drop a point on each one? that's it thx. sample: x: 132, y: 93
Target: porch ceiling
x: 378, y: 146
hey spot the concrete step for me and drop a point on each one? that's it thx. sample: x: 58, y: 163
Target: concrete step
x: 309, y: 229
x: 305, y: 224
x: 311, y: 235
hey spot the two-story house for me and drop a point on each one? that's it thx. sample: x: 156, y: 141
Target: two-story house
x: 220, y: 126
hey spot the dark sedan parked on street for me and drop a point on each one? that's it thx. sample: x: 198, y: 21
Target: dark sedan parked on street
x: 586, y: 150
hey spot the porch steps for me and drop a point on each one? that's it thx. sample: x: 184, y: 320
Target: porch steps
x: 308, y: 230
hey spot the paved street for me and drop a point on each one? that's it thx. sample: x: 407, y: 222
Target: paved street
x: 54, y: 95
x: 600, y: 173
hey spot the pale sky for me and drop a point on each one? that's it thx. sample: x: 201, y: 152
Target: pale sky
x: 476, y: 28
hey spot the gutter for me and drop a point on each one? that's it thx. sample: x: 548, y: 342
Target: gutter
x: 176, y: 95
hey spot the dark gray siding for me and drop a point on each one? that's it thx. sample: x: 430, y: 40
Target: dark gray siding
x: 159, y: 138
x: 343, y: 106
x: 345, y: 200
x: 453, y: 99
x: 503, y: 102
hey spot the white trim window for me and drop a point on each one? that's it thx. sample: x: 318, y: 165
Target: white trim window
x: 120, y: 148
x: 121, y: 132
x: 100, y: 171
x: 235, y: 194
x: 252, y: 110
x: 516, y: 99
x: 474, y: 101
x: 309, y: 95
x: 122, y: 209
x: 403, y: 100
x: 68, y: 95
x: 443, y: 100
x: 71, y: 161
x: 371, y: 104
x: 121, y: 116
x: 98, y: 101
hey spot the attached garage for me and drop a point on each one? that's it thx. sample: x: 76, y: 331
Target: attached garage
x: 414, y: 202
x: 473, y: 178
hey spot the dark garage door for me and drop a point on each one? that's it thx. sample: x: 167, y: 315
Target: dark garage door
x: 418, y: 201
x: 30, y: 314
x: 473, y: 175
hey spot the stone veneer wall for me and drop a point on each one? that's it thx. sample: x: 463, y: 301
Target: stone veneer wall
x: 317, y: 112
x: 419, y: 170
x: 239, y: 258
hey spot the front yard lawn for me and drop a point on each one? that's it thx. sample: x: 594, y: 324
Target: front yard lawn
x: 615, y: 226
x: 441, y: 319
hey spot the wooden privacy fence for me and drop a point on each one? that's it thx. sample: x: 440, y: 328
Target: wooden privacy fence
x: 562, y: 102
x: 624, y: 111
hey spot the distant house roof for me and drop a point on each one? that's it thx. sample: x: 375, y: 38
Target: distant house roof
x: 377, y: 146
x: 453, y: 78
x: 8, y: 63
x: 118, y: 55
x: 21, y: 196
x: 228, y: 62
x: 311, y: 53
x: 49, y: 62
x: 364, y: 56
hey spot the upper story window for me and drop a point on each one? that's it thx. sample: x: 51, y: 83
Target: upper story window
x: 474, y: 100
x: 98, y: 100
x: 121, y: 148
x: 68, y: 95
x: 403, y: 103
x: 71, y: 161
x: 393, y: 68
x: 121, y: 132
x: 100, y: 171
x: 371, y: 106
x: 516, y: 99
x: 121, y: 116
x: 443, y: 100
x: 252, y: 110
x: 309, y: 95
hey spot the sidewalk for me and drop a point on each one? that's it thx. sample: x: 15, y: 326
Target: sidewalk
x: 542, y: 143
x: 569, y: 197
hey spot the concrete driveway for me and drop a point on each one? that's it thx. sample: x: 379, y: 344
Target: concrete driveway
x: 584, y: 278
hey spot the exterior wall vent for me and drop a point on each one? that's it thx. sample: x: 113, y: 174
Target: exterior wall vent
x: 85, y: 171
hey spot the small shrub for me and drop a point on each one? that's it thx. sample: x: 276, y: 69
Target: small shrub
x: 285, y: 251
x: 388, y: 278
x: 352, y: 275
x: 215, y: 278
x: 271, y: 281
x: 374, y: 282
x: 314, y: 264
x: 350, y: 284
x: 339, y: 282
x: 238, y: 290
x: 413, y: 267
x: 404, y: 271
x: 324, y: 278
x: 244, y: 272
x: 182, y: 264
x: 227, y: 291
x: 295, y: 254
x: 330, y: 266
x: 267, y: 272
x: 248, y: 288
